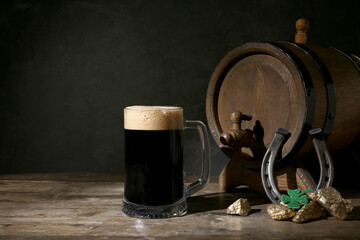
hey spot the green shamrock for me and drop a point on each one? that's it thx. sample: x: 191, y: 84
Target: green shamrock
x: 295, y: 198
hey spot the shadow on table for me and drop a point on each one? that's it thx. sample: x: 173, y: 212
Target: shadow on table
x: 222, y: 200
x: 355, y: 214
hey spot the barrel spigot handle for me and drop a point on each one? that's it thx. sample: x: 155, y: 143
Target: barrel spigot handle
x: 238, y: 137
x: 302, y: 26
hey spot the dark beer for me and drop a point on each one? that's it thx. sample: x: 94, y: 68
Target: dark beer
x: 153, y: 155
x: 154, y: 163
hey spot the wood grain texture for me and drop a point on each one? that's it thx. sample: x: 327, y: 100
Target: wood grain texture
x: 262, y: 80
x: 283, y: 85
x: 52, y: 207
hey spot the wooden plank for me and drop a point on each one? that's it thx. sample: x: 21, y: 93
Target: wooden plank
x: 57, y: 209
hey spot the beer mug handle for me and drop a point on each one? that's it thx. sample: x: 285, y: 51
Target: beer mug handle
x: 206, y: 159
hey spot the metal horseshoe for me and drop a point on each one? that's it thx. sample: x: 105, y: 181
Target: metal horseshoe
x: 325, y: 160
x: 272, y: 155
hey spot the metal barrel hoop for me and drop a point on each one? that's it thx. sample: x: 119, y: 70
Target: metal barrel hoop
x: 272, y: 155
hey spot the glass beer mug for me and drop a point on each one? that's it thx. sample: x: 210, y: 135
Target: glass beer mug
x: 154, y: 186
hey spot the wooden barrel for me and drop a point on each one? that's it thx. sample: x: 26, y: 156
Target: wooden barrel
x: 293, y: 86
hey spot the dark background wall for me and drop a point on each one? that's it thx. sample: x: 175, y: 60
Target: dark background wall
x: 68, y: 68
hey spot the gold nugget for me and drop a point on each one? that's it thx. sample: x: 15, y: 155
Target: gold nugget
x: 349, y: 205
x: 240, y: 207
x: 279, y: 212
x: 330, y: 199
x: 312, y: 210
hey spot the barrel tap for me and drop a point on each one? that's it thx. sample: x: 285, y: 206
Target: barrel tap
x: 237, y: 138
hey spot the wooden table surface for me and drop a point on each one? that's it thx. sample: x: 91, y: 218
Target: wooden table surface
x: 88, y: 206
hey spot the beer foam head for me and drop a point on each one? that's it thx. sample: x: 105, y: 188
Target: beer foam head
x: 153, y: 118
